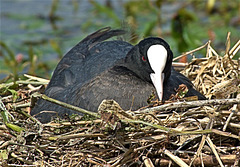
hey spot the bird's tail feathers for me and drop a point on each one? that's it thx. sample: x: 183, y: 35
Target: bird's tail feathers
x: 102, y: 34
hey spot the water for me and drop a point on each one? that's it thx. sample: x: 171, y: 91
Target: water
x: 25, y: 22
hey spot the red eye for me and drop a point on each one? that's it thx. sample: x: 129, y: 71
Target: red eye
x: 143, y: 58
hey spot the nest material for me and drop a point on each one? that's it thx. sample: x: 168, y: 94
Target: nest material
x: 176, y: 134
x: 215, y: 76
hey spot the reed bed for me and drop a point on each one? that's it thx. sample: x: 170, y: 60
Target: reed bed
x: 181, y: 132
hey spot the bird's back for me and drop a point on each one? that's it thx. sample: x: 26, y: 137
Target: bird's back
x: 94, y: 61
x: 88, y: 59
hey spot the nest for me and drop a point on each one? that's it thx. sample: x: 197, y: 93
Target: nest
x: 179, y: 133
x: 216, y: 76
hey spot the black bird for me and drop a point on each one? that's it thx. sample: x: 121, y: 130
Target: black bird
x: 96, y: 69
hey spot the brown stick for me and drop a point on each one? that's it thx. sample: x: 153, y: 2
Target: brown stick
x: 192, y: 51
x: 147, y: 161
x: 189, y: 104
x: 207, y: 160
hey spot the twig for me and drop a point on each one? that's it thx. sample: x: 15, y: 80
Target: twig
x: 234, y: 125
x: 179, y: 64
x: 147, y: 161
x: 18, y: 106
x: 176, y: 159
x: 52, y: 124
x: 212, y: 146
x: 66, y: 105
x: 121, y: 157
x: 207, y: 160
x: 234, y: 110
x: 21, y: 159
x: 229, y: 117
x: 22, y: 82
x: 73, y: 136
x: 189, y: 104
x: 192, y: 51
x: 16, y: 165
x: 169, y: 131
x: 202, y: 143
x: 227, y: 134
x: 36, y: 78
x: 234, y: 49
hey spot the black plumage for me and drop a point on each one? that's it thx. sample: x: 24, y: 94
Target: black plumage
x: 95, y: 70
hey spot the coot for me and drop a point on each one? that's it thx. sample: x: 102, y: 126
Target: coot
x: 96, y: 69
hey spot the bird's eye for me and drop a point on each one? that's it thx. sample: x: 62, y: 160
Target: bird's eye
x: 143, y: 58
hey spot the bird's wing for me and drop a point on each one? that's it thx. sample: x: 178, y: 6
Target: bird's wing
x: 77, y: 55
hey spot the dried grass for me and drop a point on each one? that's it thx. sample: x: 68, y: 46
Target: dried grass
x: 195, y: 133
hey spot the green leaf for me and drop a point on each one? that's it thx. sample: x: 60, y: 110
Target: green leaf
x: 14, y: 127
x: 14, y: 94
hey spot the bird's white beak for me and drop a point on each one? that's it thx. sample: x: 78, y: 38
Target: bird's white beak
x: 157, y: 80
x: 157, y: 56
